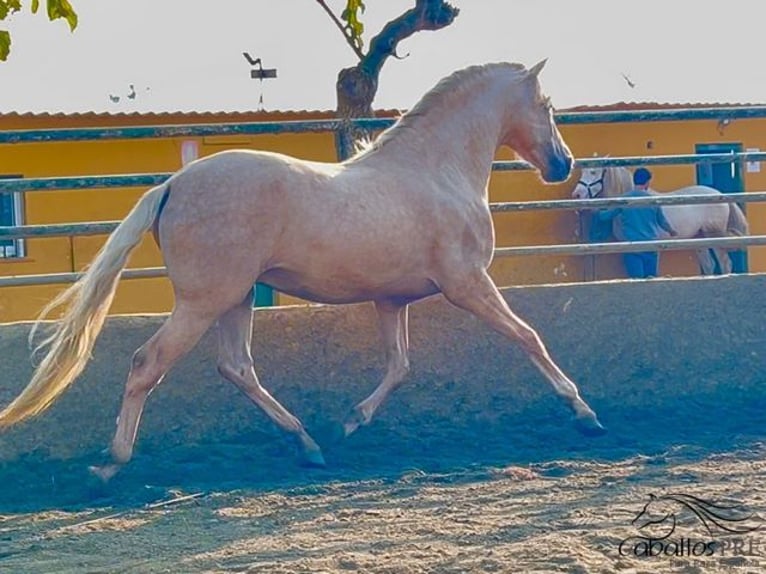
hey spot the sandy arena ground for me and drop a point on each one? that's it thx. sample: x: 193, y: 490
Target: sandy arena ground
x: 564, y: 516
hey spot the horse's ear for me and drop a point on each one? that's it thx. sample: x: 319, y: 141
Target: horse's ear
x: 537, y: 68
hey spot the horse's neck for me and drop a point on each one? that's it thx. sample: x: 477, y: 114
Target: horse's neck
x: 457, y: 137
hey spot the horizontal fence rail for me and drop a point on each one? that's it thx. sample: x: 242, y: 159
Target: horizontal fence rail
x: 602, y: 202
x: 104, y: 227
x: 663, y: 115
x: 151, y: 179
x: 629, y: 161
x: 375, y: 124
x: 565, y: 249
x: 58, y: 230
x: 631, y: 246
x: 58, y: 278
x: 188, y: 130
x: 82, y: 182
x: 372, y: 124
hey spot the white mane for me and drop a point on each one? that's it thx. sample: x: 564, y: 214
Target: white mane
x: 449, y: 88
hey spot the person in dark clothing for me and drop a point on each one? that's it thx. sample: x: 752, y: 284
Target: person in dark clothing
x: 640, y: 223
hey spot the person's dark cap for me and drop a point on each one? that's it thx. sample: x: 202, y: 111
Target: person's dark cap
x: 641, y: 176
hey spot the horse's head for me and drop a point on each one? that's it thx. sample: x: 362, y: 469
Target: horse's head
x: 532, y: 132
x: 657, y: 518
x: 591, y: 183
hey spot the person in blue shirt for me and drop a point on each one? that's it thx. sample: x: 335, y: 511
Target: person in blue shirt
x: 640, y: 223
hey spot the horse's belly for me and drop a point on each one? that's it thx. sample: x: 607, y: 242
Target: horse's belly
x: 341, y: 288
x: 691, y: 220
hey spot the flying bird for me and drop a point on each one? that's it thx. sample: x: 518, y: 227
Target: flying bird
x: 132, y: 94
x: 628, y: 81
x: 115, y: 99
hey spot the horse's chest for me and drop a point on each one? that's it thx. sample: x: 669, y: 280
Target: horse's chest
x: 477, y: 234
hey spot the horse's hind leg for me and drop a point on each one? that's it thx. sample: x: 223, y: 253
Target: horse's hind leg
x: 479, y: 295
x: 718, y: 229
x: 175, y: 338
x: 705, y: 260
x: 724, y: 261
x: 235, y: 363
x: 392, y: 319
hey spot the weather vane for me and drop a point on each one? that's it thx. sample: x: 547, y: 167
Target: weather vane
x: 258, y: 72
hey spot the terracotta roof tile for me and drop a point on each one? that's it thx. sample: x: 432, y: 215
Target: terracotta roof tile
x: 628, y: 106
x: 265, y: 115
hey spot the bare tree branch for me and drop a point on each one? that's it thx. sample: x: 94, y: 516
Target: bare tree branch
x: 342, y: 29
x: 426, y: 15
x: 356, y: 86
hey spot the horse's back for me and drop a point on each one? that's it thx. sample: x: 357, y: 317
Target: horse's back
x: 690, y: 220
x: 695, y: 190
x: 248, y: 168
x: 239, y: 184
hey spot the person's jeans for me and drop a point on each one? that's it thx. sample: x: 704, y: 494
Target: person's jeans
x: 641, y: 265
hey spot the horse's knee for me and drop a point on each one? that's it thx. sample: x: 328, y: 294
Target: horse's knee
x: 228, y: 370
x: 139, y: 360
x: 234, y: 369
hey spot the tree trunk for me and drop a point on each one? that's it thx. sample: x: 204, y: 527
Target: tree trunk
x: 356, y: 86
x: 356, y: 89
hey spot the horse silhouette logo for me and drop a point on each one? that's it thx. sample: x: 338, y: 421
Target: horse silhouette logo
x: 660, y: 534
x: 660, y: 516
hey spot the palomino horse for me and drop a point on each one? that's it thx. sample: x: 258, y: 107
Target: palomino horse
x: 404, y: 219
x: 694, y: 220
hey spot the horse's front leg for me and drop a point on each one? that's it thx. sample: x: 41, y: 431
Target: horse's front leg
x: 392, y: 319
x: 477, y: 294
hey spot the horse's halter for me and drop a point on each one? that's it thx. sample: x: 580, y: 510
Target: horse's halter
x: 589, y: 186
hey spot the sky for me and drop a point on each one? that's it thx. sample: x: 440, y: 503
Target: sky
x: 186, y: 55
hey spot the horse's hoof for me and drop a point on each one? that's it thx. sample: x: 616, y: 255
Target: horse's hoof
x: 313, y: 459
x: 353, y: 422
x: 350, y: 427
x: 590, y: 426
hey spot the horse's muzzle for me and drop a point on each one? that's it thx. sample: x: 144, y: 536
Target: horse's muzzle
x: 559, y: 167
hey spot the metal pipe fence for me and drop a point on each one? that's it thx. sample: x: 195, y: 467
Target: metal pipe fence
x: 104, y: 227
x: 373, y: 124
x: 151, y: 179
x: 259, y: 128
x: 517, y: 251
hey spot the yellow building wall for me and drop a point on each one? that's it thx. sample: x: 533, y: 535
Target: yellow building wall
x: 111, y: 157
x: 51, y: 255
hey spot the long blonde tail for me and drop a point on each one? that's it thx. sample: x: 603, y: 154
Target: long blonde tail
x: 87, y: 302
x: 737, y: 223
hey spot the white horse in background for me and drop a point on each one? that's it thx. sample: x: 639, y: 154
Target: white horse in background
x: 695, y: 220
